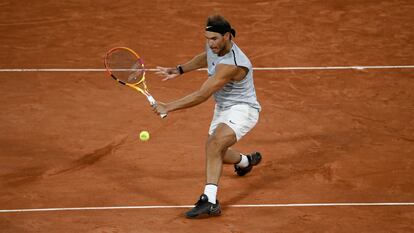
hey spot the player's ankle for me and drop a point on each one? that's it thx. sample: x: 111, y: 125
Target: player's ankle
x: 210, y: 190
x: 244, y: 161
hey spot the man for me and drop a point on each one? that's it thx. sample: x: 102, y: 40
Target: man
x: 236, y: 112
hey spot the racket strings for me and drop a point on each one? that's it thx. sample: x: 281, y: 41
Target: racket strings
x: 126, y: 67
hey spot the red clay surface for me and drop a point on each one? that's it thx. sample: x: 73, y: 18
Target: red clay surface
x: 70, y: 139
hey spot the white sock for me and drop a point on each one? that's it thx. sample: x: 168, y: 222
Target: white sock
x: 244, y: 162
x: 211, y: 191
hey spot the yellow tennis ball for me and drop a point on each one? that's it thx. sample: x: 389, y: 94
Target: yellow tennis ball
x: 144, y: 136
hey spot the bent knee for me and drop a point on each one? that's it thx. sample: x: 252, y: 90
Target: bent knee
x: 217, y: 144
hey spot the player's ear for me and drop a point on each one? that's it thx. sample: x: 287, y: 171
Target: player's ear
x: 227, y: 36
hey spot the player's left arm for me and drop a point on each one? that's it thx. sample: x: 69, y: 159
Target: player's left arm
x: 224, y: 74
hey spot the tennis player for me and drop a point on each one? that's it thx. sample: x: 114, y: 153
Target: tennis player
x: 230, y: 80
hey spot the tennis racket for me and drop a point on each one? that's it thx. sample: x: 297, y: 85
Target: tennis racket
x: 127, y: 68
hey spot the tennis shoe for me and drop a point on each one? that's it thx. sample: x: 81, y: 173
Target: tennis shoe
x: 203, y: 208
x: 254, y: 159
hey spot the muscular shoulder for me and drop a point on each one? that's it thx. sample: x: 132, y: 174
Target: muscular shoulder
x: 231, y: 72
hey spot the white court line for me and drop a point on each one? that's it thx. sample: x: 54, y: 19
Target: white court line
x: 256, y: 68
x: 190, y: 206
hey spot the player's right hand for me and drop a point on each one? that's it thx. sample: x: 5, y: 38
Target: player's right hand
x: 167, y: 73
x: 160, y: 108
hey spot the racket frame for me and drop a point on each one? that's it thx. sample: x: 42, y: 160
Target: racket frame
x: 135, y: 86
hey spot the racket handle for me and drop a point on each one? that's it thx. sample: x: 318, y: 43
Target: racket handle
x: 154, y: 104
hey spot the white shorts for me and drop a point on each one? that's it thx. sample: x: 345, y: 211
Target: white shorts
x: 240, y: 118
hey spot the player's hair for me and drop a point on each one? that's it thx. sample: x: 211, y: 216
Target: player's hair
x: 217, y: 23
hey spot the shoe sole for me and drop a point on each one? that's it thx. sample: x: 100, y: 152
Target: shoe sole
x: 202, y: 216
x: 260, y: 160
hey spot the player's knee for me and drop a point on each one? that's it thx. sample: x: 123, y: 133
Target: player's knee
x: 215, y: 145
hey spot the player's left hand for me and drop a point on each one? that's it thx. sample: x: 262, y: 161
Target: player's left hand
x: 167, y: 73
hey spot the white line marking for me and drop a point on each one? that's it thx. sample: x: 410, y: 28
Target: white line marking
x: 256, y: 68
x: 335, y: 68
x: 190, y: 206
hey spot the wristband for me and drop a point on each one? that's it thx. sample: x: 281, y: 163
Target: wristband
x: 180, y: 69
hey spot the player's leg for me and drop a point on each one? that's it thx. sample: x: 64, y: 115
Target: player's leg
x: 232, y: 156
x: 216, y: 147
x: 227, y: 127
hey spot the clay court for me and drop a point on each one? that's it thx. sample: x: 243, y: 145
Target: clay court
x: 334, y: 78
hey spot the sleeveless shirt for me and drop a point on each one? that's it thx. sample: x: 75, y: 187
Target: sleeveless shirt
x: 234, y: 92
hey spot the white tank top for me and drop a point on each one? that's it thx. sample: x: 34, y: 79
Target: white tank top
x: 234, y: 92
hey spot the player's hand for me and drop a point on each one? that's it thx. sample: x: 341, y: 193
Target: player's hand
x: 167, y: 73
x: 160, y: 108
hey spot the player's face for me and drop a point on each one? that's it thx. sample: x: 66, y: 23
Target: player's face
x: 216, y: 41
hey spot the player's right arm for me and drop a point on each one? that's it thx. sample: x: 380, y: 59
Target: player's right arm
x: 197, y: 62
